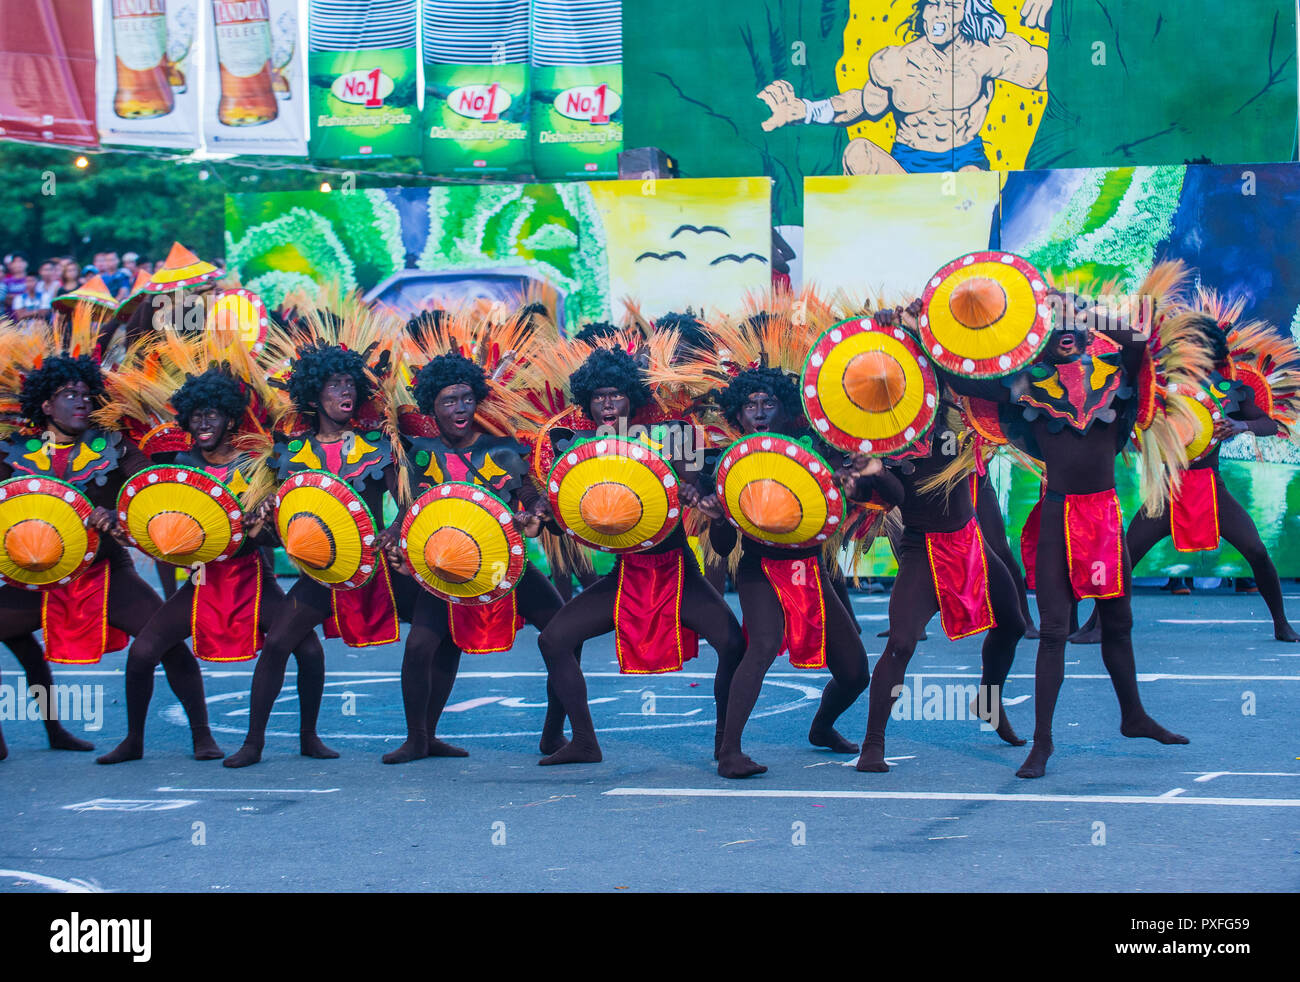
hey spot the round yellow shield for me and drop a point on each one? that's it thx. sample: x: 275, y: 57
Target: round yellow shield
x: 44, y: 540
x: 614, y: 494
x: 1206, y: 406
x: 985, y: 315
x: 327, y: 530
x: 462, y: 543
x: 779, y: 492
x: 238, y: 315
x: 181, y: 515
x: 869, y: 389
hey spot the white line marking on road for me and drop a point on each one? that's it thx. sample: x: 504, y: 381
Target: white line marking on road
x: 249, y: 790
x: 1192, y: 620
x: 1091, y: 799
x: 1211, y: 775
x: 1016, y: 700
x: 51, y: 882
x: 1173, y: 792
x: 873, y: 617
x: 130, y: 805
x: 460, y: 707
x: 936, y: 838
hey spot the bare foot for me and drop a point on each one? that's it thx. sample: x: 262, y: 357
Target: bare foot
x: 61, y: 739
x: 1086, y: 635
x: 872, y: 760
x: 407, y: 752
x: 439, y: 749
x: 1286, y: 633
x: 1035, y: 764
x: 205, y: 747
x: 739, y: 765
x: 1003, y: 725
x: 830, y: 738
x: 550, y: 743
x: 1149, y: 728
x: 1031, y: 632
x: 128, y: 749
x: 310, y: 745
x: 574, y: 753
x: 249, y: 753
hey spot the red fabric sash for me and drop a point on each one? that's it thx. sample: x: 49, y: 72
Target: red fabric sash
x: 367, y: 615
x: 1094, y: 545
x: 74, y: 618
x: 1194, y: 511
x: 223, y: 616
x: 1029, y: 542
x: 960, y: 572
x: 648, y: 633
x: 481, y: 628
x: 798, y: 585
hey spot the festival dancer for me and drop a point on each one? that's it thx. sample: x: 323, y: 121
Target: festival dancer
x: 946, y: 566
x: 787, y: 598
x: 1074, y: 409
x: 59, y: 385
x: 656, y: 601
x: 218, y: 397
x: 341, y: 384
x: 471, y: 442
x: 1256, y: 387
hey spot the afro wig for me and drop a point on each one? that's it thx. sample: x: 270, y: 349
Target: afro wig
x: 445, y: 370
x: 313, y: 367
x: 693, y: 333
x: 1212, y: 337
x: 771, y: 380
x: 594, y: 330
x: 609, y: 368
x: 56, y: 372
x: 217, y: 388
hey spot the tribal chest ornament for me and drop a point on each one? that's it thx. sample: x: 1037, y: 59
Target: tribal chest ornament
x: 1075, y: 393
x: 497, y: 462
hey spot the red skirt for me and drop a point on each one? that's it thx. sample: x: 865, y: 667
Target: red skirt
x: 74, y: 618
x: 1194, y: 511
x: 225, y: 609
x: 1094, y: 545
x: 367, y: 615
x: 481, y: 628
x: 648, y: 633
x: 1029, y: 542
x: 798, y: 585
x: 960, y: 571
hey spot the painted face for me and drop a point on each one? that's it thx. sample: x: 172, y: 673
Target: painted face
x: 941, y: 18
x: 609, y: 405
x: 338, y: 397
x: 454, y: 410
x: 69, y: 408
x: 761, y: 412
x: 208, y: 427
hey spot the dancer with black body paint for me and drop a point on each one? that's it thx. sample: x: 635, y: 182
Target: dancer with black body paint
x: 1233, y: 523
x: 994, y: 528
x: 210, y: 408
x: 1078, y: 444
x: 610, y: 387
x: 933, y: 516
x: 59, y: 398
x: 450, y: 388
x: 767, y: 400
x: 328, y: 385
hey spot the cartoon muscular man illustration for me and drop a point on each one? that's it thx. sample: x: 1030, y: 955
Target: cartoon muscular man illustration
x: 938, y: 87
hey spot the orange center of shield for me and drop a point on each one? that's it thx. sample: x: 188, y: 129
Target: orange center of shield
x: 307, y: 541
x: 34, y: 545
x: 874, y: 381
x: 978, y: 302
x: 452, y: 555
x: 610, y: 509
x: 174, y: 534
x: 771, y: 506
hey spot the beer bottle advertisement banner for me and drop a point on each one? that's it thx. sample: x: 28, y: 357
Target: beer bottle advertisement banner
x: 147, y: 92
x: 362, y: 73
x: 256, y: 83
x: 476, y: 87
x: 577, y: 83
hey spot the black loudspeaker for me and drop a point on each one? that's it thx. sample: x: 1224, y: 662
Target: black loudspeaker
x: 643, y: 162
